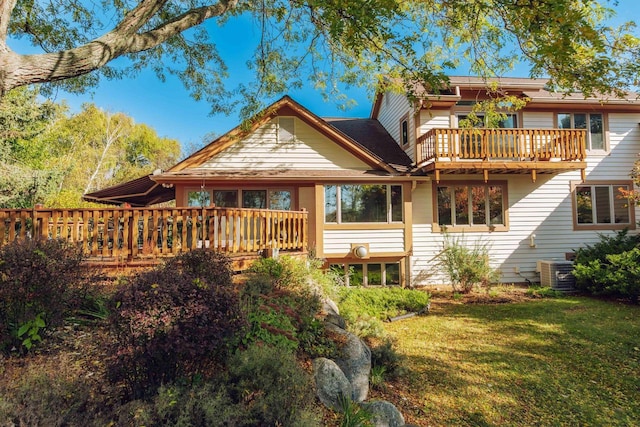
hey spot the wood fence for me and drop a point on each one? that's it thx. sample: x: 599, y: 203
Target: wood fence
x: 131, y: 233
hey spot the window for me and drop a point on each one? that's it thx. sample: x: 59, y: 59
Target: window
x: 593, y: 122
x: 470, y: 206
x: 225, y: 198
x: 198, y: 198
x: 510, y: 121
x: 404, y: 131
x: 351, y: 203
x: 602, y: 206
x: 277, y: 199
x: 369, y: 274
x: 286, y: 129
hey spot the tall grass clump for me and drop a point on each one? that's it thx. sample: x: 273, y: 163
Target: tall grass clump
x: 466, y: 265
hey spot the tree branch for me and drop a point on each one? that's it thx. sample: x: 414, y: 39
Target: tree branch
x: 6, y: 7
x: 17, y: 70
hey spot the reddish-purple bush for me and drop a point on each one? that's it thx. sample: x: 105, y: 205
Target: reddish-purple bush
x: 171, y: 321
x: 35, y: 279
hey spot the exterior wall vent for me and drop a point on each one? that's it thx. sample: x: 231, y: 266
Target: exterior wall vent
x: 557, y: 274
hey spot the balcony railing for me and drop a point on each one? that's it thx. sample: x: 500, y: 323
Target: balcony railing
x: 145, y: 232
x: 501, y: 145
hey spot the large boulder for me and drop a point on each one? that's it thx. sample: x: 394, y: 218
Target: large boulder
x: 354, y: 359
x: 331, y: 383
x: 384, y: 414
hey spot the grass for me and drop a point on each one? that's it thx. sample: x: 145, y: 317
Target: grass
x: 564, y: 361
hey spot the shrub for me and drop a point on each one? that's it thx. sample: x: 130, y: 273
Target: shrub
x: 281, y: 305
x: 170, y: 321
x: 466, y: 265
x: 272, y: 388
x: 622, y: 241
x: 35, y: 279
x: 610, y: 267
x: 380, y: 303
x: 263, y: 386
x: 364, y: 309
x: 385, y: 357
x: 544, y: 292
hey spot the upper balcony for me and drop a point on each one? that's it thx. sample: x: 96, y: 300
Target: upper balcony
x: 479, y: 150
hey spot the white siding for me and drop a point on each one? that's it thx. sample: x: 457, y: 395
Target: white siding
x: 338, y: 242
x: 262, y: 151
x: 430, y: 119
x: 542, y: 209
x: 393, y: 107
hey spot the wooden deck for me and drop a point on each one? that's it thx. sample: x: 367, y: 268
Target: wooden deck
x: 479, y: 150
x: 143, y: 236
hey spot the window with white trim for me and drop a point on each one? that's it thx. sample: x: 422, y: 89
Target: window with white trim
x: 602, y: 206
x: 369, y: 274
x: 593, y: 122
x: 463, y: 206
x: 358, y: 203
x: 404, y: 131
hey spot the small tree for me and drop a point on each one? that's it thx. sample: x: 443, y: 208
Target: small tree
x: 466, y: 265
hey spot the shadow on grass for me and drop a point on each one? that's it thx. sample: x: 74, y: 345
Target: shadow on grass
x: 569, y: 361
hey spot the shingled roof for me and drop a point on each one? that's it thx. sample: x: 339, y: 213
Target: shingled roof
x: 374, y: 137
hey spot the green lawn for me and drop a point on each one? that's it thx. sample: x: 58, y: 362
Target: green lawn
x: 567, y: 361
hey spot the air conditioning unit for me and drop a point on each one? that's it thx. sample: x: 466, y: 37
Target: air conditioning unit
x: 557, y: 274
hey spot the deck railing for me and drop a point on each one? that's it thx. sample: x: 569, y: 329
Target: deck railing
x: 147, y: 232
x: 501, y: 144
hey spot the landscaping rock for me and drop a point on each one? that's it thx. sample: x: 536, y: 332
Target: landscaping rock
x: 336, y: 320
x: 354, y: 358
x: 331, y: 383
x: 330, y: 307
x: 385, y: 414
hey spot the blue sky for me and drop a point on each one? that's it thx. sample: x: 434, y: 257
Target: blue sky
x: 168, y: 109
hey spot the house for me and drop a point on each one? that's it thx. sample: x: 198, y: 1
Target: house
x: 380, y: 191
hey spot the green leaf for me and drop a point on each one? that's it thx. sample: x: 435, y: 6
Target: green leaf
x: 23, y: 329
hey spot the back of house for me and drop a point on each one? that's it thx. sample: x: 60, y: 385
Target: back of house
x: 383, y: 192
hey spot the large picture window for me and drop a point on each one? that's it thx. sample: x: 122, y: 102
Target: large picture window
x: 602, y: 206
x: 353, y: 203
x: 470, y: 206
x: 593, y: 122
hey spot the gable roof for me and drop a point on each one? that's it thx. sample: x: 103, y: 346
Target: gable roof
x: 286, y: 106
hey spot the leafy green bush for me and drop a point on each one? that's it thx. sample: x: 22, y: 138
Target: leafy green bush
x: 622, y: 241
x: 610, y: 267
x: 171, y: 320
x: 35, y: 279
x: 466, y: 265
x: 281, y: 305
